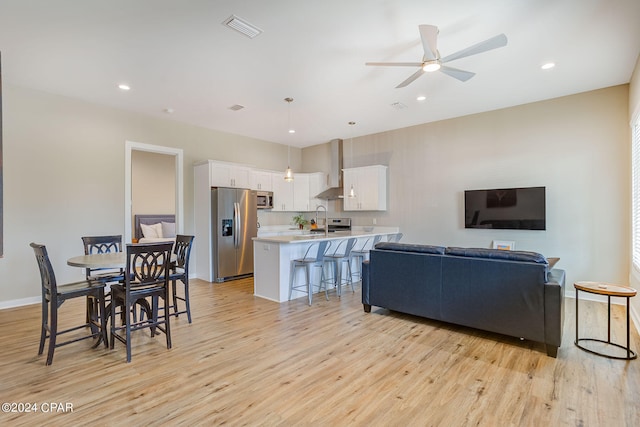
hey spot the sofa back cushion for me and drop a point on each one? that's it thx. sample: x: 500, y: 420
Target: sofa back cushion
x: 524, y: 256
x: 405, y: 247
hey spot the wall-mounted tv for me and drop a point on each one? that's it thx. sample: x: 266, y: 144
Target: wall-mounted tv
x: 506, y: 208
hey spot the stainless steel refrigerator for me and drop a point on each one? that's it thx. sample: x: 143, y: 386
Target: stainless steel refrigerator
x: 234, y: 223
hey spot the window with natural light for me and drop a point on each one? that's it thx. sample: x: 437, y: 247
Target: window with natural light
x: 635, y: 167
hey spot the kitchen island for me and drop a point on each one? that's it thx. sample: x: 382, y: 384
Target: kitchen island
x: 272, y: 257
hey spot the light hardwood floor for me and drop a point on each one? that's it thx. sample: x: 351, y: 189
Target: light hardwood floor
x: 249, y: 361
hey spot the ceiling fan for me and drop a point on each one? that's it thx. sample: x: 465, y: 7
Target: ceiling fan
x: 431, y: 61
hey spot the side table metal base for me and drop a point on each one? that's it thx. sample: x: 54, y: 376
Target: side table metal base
x: 632, y: 354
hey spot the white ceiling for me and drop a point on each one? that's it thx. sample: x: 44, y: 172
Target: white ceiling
x: 177, y: 54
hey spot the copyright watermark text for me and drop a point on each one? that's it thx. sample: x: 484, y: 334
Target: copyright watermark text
x: 33, y: 407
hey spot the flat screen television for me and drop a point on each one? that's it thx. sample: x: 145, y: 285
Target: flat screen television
x: 505, y: 208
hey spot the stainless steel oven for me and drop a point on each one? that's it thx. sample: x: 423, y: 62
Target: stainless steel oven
x: 265, y: 199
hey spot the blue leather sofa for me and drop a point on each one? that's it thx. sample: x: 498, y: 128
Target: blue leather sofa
x: 508, y: 292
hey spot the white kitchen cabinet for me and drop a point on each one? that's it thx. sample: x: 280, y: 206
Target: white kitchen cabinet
x: 261, y: 180
x: 370, y: 187
x: 229, y: 175
x: 317, y: 184
x: 301, y: 192
x: 282, y: 193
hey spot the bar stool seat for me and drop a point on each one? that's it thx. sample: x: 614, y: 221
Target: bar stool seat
x: 336, y: 259
x: 309, y: 262
x: 362, y: 253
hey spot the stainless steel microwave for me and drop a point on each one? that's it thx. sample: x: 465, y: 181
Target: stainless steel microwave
x: 265, y: 199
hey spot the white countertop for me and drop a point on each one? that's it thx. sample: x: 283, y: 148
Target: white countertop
x: 301, y: 236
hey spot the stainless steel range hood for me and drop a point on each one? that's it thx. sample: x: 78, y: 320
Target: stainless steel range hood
x: 335, y: 190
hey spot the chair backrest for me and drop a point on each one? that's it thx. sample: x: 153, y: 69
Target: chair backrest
x: 323, y: 246
x: 147, y: 265
x: 395, y: 237
x: 364, y: 244
x: 101, y: 245
x: 348, y: 246
x: 376, y: 239
x: 47, y: 277
x: 182, y: 249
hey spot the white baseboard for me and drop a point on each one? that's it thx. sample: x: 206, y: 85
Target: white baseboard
x: 19, y: 302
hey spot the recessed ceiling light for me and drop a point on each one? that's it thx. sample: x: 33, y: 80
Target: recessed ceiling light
x: 421, y: 98
x: 123, y: 86
x: 548, y: 65
x: 292, y: 131
x: 169, y: 110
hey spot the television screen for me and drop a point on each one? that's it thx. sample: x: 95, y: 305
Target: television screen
x: 505, y: 208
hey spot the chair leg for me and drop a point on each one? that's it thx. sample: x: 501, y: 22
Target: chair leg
x: 309, y: 285
x: 292, y: 275
x: 45, y: 323
x: 127, y: 320
x: 186, y: 299
x: 175, y: 298
x: 53, y: 331
x: 103, y: 320
x: 167, y: 324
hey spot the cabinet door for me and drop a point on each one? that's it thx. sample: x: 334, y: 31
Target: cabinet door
x: 317, y: 184
x: 229, y: 175
x: 261, y: 180
x: 282, y: 193
x: 301, y: 192
x: 370, y: 188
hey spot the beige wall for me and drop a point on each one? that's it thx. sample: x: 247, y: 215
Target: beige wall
x: 575, y: 146
x: 153, y: 183
x: 64, y: 177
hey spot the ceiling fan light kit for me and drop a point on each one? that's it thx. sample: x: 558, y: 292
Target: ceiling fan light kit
x: 431, y: 60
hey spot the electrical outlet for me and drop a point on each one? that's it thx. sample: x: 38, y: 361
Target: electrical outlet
x: 374, y: 221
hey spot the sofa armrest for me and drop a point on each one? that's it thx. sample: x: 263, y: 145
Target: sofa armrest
x: 365, y: 286
x: 554, y: 290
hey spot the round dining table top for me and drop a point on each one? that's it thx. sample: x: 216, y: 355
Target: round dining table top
x: 106, y: 260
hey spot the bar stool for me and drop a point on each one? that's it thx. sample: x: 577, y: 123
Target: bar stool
x: 395, y: 237
x: 308, y: 262
x: 361, y: 254
x: 337, y: 259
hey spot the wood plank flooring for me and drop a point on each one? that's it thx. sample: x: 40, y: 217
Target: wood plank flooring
x: 249, y: 361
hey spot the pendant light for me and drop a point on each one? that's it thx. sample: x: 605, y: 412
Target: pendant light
x: 288, y: 174
x: 352, y: 192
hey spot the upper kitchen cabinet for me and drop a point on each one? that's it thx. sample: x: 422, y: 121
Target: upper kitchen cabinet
x: 261, y: 180
x: 282, y: 193
x: 370, y: 188
x: 317, y: 184
x: 230, y: 175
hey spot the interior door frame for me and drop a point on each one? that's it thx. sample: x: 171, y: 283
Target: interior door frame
x: 178, y: 153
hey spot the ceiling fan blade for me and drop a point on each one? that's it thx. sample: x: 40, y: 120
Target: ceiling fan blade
x: 429, y: 35
x: 461, y: 75
x: 492, y: 43
x: 395, y: 64
x: 411, y: 78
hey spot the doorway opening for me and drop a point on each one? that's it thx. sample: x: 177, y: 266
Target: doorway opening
x: 177, y: 153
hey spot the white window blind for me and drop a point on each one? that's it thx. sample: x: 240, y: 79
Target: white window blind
x: 635, y: 176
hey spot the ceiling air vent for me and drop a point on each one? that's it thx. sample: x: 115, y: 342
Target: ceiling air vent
x: 242, y: 26
x: 236, y: 107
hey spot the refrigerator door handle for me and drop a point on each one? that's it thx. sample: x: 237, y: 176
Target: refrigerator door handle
x: 237, y: 223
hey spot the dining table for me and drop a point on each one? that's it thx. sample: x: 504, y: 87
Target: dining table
x: 103, y: 260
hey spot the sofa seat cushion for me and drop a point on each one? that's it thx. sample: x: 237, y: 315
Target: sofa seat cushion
x: 523, y: 256
x: 405, y: 247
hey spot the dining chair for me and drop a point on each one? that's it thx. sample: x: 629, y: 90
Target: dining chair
x: 54, y: 295
x: 395, y: 237
x: 101, y: 245
x: 180, y: 272
x: 146, y: 276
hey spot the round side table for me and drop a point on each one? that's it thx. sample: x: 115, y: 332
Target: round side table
x: 610, y: 290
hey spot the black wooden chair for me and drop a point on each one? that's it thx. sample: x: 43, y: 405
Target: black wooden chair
x: 101, y: 245
x: 54, y: 295
x: 180, y: 271
x: 146, y: 276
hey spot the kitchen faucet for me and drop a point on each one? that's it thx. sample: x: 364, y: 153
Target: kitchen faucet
x: 326, y: 222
